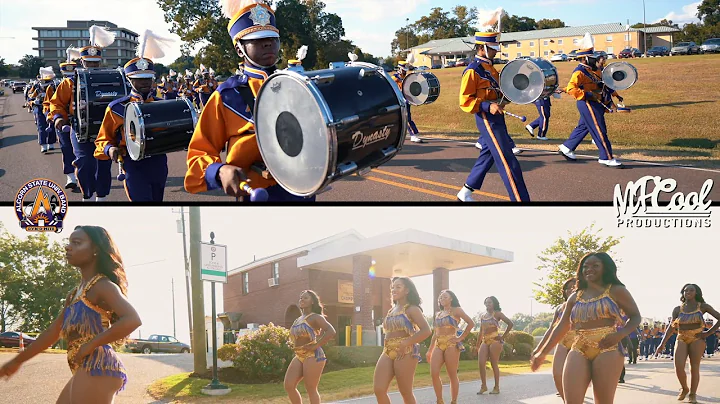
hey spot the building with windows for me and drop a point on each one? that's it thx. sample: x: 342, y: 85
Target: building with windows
x: 351, y: 274
x: 53, y: 41
x: 544, y: 43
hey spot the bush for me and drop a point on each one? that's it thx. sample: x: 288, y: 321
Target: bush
x: 539, y: 332
x: 263, y: 354
x: 353, y: 356
x: 523, y: 351
x: 507, y: 352
x: 516, y: 337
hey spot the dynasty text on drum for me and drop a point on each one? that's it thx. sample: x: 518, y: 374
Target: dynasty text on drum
x: 360, y: 140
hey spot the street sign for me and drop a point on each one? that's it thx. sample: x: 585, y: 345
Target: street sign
x: 213, y: 262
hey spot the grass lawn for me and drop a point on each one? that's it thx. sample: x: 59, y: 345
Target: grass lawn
x: 52, y: 351
x: 675, y: 108
x: 335, y: 385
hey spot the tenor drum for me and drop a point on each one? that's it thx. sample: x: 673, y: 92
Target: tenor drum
x: 421, y: 88
x: 316, y: 127
x: 158, y: 127
x: 95, y: 88
x: 619, y: 75
x: 526, y: 81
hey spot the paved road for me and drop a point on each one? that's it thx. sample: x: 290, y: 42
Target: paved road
x: 430, y: 172
x: 42, y: 378
x: 652, y: 382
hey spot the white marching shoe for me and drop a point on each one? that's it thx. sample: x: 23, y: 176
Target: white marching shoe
x: 530, y: 130
x: 567, y: 153
x: 100, y: 198
x: 465, y: 194
x: 478, y: 145
x: 542, y: 138
x: 71, y: 181
x: 517, y: 150
x: 43, y: 148
x: 610, y: 163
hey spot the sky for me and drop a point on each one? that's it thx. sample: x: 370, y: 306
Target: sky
x: 370, y: 24
x: 656, y: 263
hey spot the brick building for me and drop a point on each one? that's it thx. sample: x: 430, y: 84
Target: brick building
x: 53, y: 41
x: 338, y: 268
x: 544, y: 43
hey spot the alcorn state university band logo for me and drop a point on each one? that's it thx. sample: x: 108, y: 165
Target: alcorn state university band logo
x: 41, y: 206
x: 638, y: 205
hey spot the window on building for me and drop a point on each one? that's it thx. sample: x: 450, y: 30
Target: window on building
x: 608, y: 38
x: 245, y: 282
x: 519, y: 44
x: 59, y: 43
x: 532, y: 54
x: 532, y: 43
x: 518, y: 54
x: 42, y: 43
x: 59, y: 53
x: 120, y: 52
x: 505, y: 45
x: 547, y: 53
x: 546, y: 43
x: 576, y: 41
x: 560, y: 52
x: 276, y: 272
x: 560, y: 41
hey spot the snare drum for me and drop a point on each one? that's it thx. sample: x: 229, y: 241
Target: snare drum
x: 158, y: 127
x: 316, y: 127
x: 526, y: 81
x: 421, y: 88
x: 95, y: 89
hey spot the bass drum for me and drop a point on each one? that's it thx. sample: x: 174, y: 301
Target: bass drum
x: 158, y: 127
x: 95, y: 89
x: 316, y: 127
x: 526, y: 81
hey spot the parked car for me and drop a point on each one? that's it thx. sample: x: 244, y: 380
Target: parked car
x: 559, y: 57
x: 572, y: 55
x: 499, y: 61
x: 436, y: 66
x: 685, y: 48
x: 450, y: 63
x: 711, y: 45
x: 18, y: 86
x: 630, y: 53
x: 11, y: 339
x: 600, y: 54
x: 611, y: 56
x: 461, y: 62
x: 157, y: 343
x: 422, y: 68
x: 658, y: 51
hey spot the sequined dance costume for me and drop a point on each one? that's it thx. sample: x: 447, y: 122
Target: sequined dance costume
x: 83, y: 321
x: 491, y: 322
x: 569, y: 337
x: 446, y: 320
x: 302, y: 330
x: 395, y: 323
x: 695, y: 317
x: 601, y: 307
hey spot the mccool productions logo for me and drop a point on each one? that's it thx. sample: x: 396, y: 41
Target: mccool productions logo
x: 41, y: 205
x: 638, y: 206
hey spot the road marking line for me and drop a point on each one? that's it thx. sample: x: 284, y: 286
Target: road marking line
x: 440, y: 184
x: 412, y: 188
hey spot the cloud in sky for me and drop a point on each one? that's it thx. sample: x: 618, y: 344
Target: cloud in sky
x: 372, y: 10
x: 687, y: 15
x: 545, y: 3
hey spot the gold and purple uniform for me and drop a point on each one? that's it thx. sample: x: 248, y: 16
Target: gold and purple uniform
x: 400, y: 322
x: 37, y: 96
x: 301, y: 330
x: 694, y: 318
x: 59, y: 105
x: 204, y: 88
x: 598, y: 308
x: 445, y: 320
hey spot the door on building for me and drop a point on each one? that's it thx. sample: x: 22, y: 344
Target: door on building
x: 610, y: 50
x: 343, y: 321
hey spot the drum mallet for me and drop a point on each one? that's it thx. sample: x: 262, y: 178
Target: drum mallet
x: 121, y: 170
x: 522, y: 118
x: 256, y: 194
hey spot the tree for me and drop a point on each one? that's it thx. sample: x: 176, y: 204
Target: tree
x: 547, y: 23
x: 30, y: 66
x: 559, y: 262
x: 709, y: 12
x: 34, y: 281
x: 540, y: 320
x: 517, y: 24
x: 520, y: 321
x: 184, y: 62
x: 4, y: 69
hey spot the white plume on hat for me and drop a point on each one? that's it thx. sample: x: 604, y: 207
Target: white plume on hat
x: 101, y: 37
x: 587, y: 41
x: 302, y: 53
x: 197, y: 72
x: 72, y: 53
x: 238, y: 72
x: 172, y: 73
x: 232, y: 7
x: 188, y: 72
x: 353, y: 57
x: 203, y: 68
x: 47, y: 73
x: 152, y: 46
x: 164, y: 79
x: 411, y: 58
x: 212, y: 72
x: 487, y: 19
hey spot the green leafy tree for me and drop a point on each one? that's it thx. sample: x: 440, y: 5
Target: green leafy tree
x: 546, y: 23
x: 560, y: 261
x: 709, y: 12
x: 4, y: 69
x: 540, y: 320
x: 30, y: 66
x: 184, y: 62
x: 518, y: 24
x: 520, y: 321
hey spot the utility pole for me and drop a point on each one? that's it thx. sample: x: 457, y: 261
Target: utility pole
x: 644, y: 31
x: 172, y: 283
x: 198, y: 296
x: 407, y: 34
x: 187, y: 275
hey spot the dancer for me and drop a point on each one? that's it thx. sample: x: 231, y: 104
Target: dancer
x: 594, y: 311
x: 446, y: 345
x: 309, y: 360
x: 490, y: 343
x: 405, y: 327
x: 96, y: 315
x: 687, y: 321
x: 479, y: 95
x: 593, y: 98
x: 566, y: 343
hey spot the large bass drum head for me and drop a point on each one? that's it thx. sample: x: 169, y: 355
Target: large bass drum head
x: 134, y: 131
x: 293, y: 133
x: 522, y: 81
x: 619, y: 76
x: 416, y: 87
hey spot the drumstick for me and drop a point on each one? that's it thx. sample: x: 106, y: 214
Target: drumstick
x: 121, y: 171
x: 256, y: 194
x: 522, y: 118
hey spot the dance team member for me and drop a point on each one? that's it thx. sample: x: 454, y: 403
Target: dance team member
x: 490, y: 342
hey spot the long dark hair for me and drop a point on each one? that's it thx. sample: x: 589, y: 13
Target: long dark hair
x: 609, y: 276
x: 317, y: 306
x: 454, y: 302
x: 413, y: 296
x: 495, y: 302
x: 698, y: 293
x: 565, y: 286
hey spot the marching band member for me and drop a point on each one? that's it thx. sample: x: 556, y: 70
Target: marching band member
x: 479, y: 92
x: 404, y: 68
x: 186, y: 89
x: 593, y: 98
x: 144, y: 179
x: 543, y: 120
x: 170, y: 90
x: 93, y: 176
x: 205, y: 86
x: 296, y: 64
x: 68, y: 71
x: 227, y: 118
x: 160, y: 87
x: 37, y: 97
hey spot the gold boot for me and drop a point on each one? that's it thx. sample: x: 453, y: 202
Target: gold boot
x: 440, y: 401
x: 692, y: 398
x: 483, y: 389
x: 495, y: 390
x: 682, y: 394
